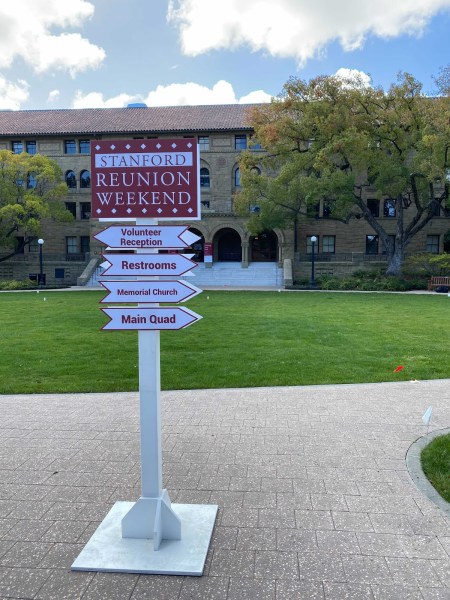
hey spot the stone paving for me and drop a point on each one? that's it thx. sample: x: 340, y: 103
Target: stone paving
x: 316, y: 501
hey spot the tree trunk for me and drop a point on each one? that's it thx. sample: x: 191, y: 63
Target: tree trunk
x: 395, y: 261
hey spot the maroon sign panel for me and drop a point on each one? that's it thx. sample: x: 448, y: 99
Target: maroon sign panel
x: 145, y: 179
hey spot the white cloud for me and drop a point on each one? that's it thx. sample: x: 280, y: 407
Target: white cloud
x: 26, y: 32
x: 53, y: 96
x: 175, y: 94
x: 96, y: 100
x: 13, y: 94
x: 354, y: 75
x: 178, y: 94
x: 295, y: 28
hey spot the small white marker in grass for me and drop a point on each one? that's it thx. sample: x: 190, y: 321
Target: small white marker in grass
x: 426, y: 418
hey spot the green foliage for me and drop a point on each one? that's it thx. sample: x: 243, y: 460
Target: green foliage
x: 12, y: 285
x: 428, y: 264
x: 31, y: 189
x: 435, y: 459
x: 372, y: 281
x: 330, y: 139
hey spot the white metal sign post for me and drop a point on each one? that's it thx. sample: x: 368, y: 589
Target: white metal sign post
x: 151, y: 535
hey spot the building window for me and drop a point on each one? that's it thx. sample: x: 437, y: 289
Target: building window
x: 204, y: 178
x: 309, y: 244
x: 203, y: 142
x: 70, y: 147
x: 254, y: 144
x: 17, y: 147
x: 85, y: 146
x: 20, y: 245
x: 389, y: 208
x: 433, y: 244
x: 31, y: 147
x: 313, y: 210
x: 71, y: 245
x: 31, y: 181
x: 436, y: 207
x: 326, y: 212
x: 329, y: 244
x: 374, y: 207
x: 72, y: 208
x: 371, y: 244
x: 34, y: 246
x: 71, y: 179
x: 240, y: 142
x: 85, y: 210
x: 85, y: 179
x: 237, y: 177
x: 85, y: 243
x: 204, y: 203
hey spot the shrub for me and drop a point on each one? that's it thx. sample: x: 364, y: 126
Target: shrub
x: 427, y: 264
x: 371, y: 281
x: 17, y: 285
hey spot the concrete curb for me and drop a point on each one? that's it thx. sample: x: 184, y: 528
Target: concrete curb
x: 414, y: 467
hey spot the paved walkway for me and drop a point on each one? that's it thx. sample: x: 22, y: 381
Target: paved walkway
x: 316, y: 501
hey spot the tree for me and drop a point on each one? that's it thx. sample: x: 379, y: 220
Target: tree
x: 31, y: 189
x: 336, y: 141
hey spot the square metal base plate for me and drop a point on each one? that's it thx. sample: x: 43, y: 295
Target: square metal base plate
x: 108, y: 551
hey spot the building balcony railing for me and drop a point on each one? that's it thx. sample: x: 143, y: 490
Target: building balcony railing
x: 346, y: 257
x: 32, y: 258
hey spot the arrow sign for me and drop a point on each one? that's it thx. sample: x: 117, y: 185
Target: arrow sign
x: 175, y: 317
x: 148, y: 264
x: 147, y: 236
x: 148, y: 291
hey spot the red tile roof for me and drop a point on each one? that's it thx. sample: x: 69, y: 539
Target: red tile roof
x: 125, y: 120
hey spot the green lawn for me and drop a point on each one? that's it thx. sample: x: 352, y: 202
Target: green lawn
x: 51, y: 341
x: 435, y: 460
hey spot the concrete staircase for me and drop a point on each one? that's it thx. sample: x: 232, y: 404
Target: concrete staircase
x: 231, y: 274
x: 224, y: 274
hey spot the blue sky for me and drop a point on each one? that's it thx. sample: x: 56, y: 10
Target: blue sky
x: 96, y: 53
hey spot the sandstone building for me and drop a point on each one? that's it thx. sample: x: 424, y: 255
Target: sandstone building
x: 233, y: 255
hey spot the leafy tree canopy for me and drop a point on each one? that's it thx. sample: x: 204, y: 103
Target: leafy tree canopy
x: 31, y: 189
x: 337, y: 140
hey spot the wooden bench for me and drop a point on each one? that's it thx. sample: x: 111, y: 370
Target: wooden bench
x: 436, y: 281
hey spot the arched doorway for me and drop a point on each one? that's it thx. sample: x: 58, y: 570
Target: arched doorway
x: 198, y: 247
x: 228, y: 244
x: 264, y: 247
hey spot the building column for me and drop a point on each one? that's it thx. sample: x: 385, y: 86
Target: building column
x: 244, y: 263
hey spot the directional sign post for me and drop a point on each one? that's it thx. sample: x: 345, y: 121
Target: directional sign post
x: 146, y: 180
x: 148, y: 264
x: 149, y: 291
x: 139, y: 237
x: 142, y: 318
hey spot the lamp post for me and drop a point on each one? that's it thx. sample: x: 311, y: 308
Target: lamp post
x: 41, y: 280
x: 313, y: 244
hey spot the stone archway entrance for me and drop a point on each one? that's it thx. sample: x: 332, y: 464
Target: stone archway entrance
x: 228, y: 244
x: 264, y: 247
